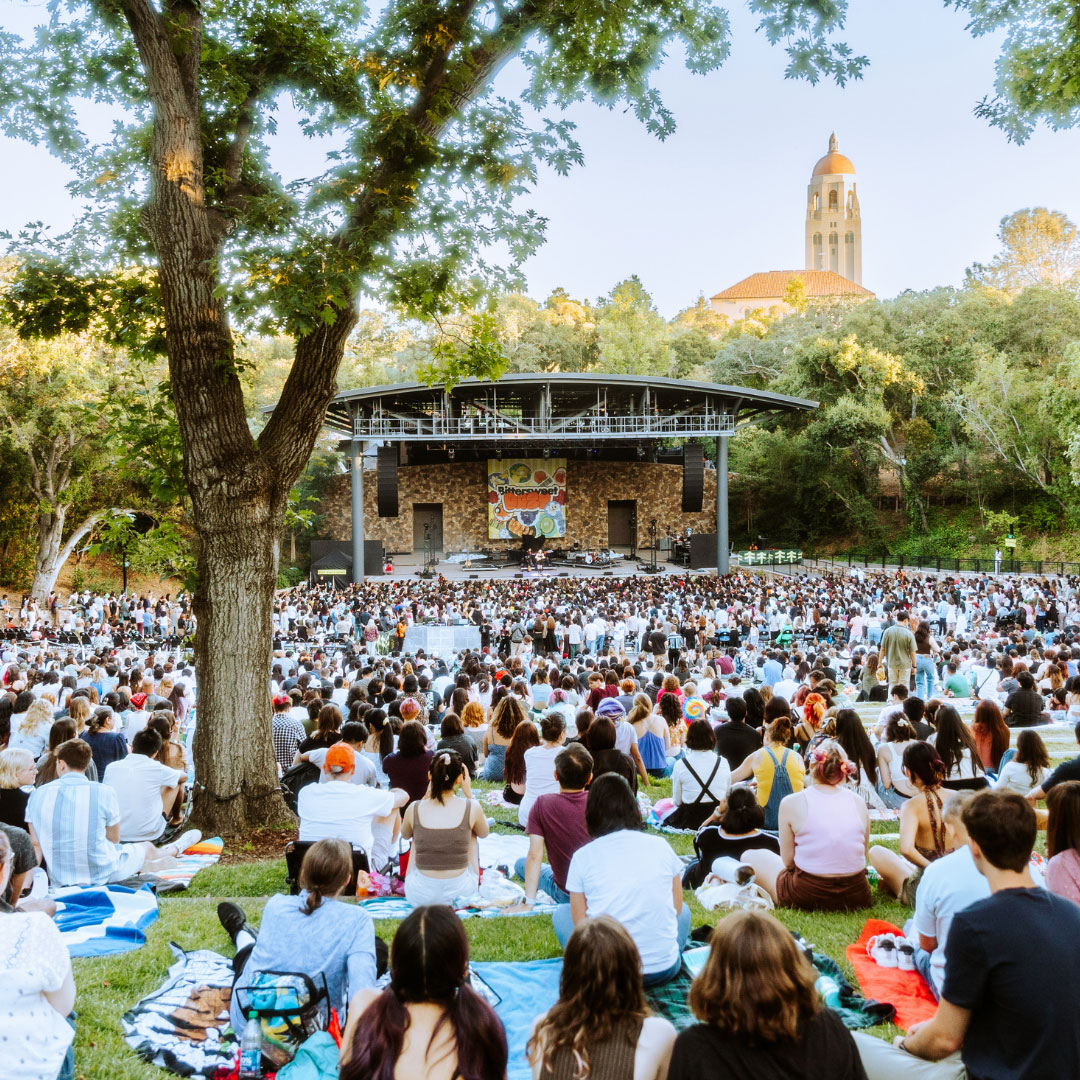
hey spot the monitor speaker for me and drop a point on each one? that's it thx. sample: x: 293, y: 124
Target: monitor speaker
x: 693, y: 478
x: 387, y: 481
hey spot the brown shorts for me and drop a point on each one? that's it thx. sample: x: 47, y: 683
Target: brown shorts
x: 812, y: 892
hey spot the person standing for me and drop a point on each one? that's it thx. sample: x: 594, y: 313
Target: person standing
x: 898, y: 649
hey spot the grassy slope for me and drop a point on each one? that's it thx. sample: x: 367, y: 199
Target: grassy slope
x: 108, y: 986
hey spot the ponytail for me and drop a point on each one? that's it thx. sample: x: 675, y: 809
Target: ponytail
x: 446, y: 767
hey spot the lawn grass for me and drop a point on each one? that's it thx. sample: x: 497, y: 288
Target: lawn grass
x: 109, y: 986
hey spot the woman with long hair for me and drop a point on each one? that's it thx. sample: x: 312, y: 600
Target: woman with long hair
x: 925, y: 667
x: 923, y: 838
x: 429, y: 1022
x: 1028, y: 769
x: 777, y: 770
x: 600, y: 1026
x: 17, y: 775
x: 314, y: 932
x: 893, y: 786
x: 444, y: 859
x: 956, y: 746
x: 408, y: 767
x: 870, y: 678
x: 525, y: 737
x: 379, y: 744
x: 1063, y: 840
x: 824, y: 837
x: 851, y: 735
x: 669, y: 709
x: 30, y: 731
x: 652, y: 736
x: 327, y: 730
x: 755, y: 707
x: 759, y: 1011
x: 991, y: 734
x: 62, y: 730
x: 631, y: 876
x: 504, y: 722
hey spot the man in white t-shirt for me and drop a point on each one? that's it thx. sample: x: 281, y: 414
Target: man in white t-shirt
x: 631, y: 876
x: 948, y: 885
x: 352, y: 735
x: 145, y: 788
x: 339, y: 809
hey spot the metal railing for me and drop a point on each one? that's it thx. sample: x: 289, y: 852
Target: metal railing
x: 943, y: 564
x: 569, y: 427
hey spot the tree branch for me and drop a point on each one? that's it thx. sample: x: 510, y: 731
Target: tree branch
x: 82, y: 529
x: 312, y: 380
x: 234, y: 158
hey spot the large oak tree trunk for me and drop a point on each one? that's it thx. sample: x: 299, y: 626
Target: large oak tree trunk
x: 236, y: 775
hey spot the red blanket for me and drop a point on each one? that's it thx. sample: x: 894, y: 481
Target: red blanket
x: 906, y: 990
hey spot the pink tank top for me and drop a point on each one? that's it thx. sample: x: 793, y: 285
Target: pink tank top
x: 833, y: 839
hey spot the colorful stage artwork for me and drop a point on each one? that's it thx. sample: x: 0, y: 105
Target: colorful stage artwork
x: 526, y: 497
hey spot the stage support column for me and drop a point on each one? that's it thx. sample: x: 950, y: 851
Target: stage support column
x: 721, y: 506
x: 357, y: 511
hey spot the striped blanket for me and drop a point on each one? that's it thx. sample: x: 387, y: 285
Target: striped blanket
x: 104, y: 919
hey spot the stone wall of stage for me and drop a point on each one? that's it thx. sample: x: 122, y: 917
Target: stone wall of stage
x: 461, y: 489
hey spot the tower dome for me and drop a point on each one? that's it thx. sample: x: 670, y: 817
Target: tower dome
x: 833, y: 162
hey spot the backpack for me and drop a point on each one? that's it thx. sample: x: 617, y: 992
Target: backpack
x: 295, y: 778
x: 290, y: 1007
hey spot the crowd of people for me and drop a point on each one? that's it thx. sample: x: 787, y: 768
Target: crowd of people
x: 788, y: 713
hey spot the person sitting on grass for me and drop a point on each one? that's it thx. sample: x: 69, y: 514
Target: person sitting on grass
x: 525, y: 738
x: 1067, y: 770
x: 366, y: 817
x: 313, y: 933
x: 145, y: 789
x: 600, y: 1026
x: 777, y: 771
x: 1028, y: 768
x: 759, y: 1011
x: 539, y: 764
x: 76, y: 826
x: 627, y: 874
x: 17, y: 775
x: 734, y: 828
x: 1006, y: 1010
x: 1063, y: 840
x: 948, y: 885
x: 700, y: 780
x: 409, y: 766
x: 557, y: 824
x: 600, y: 739
x: 37, y: 991
x: 923, y: 837
x: 893, y: 787
x: 429, y: 1022
x: 824, y: 837
x: 354, y: 735
x: 453, y: 737
x: 444, y: 862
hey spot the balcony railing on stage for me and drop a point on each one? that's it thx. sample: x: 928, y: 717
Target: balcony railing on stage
x: 556, y: 428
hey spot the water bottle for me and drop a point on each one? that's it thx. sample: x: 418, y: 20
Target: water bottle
x: 829, y: 991
x: 251, y: 1050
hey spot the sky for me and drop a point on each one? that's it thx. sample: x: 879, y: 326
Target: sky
x: 725, y: 196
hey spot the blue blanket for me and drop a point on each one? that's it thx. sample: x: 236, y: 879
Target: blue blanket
x: 104, y: 919
x: 519, y: 993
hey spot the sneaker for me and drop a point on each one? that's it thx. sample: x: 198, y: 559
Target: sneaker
x: 232, y: 918
x: 882, y: 950
x: 182, y: 843
x: 905, y: 955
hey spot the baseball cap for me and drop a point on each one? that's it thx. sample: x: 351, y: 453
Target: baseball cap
x: 339, y: 759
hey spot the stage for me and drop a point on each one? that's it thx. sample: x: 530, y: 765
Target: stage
x: 407, y: 567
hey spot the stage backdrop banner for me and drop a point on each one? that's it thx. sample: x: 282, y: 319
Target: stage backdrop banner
x: 526, y: 497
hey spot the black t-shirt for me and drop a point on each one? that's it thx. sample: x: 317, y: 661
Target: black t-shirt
x: 736, y: 741
x: 1011, y: 960
x: 824, y: 1049
x: 13, y: 807
x: 1067, y: 770
x: 1025, y: 708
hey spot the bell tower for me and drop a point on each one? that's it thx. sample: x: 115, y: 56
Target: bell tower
x: 833, y: 221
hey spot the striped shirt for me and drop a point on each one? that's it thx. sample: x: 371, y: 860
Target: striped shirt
x: 70, y: 815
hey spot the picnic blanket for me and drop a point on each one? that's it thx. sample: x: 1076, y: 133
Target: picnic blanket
x: 182, y: 1027
x: 103, y: 919
x: 178, y: 877
x: 397, y: 907
x: 905, y: 990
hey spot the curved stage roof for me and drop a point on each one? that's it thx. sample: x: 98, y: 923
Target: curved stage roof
x: 556, y: 408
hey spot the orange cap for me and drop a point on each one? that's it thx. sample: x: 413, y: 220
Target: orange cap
x: 339, y: 759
